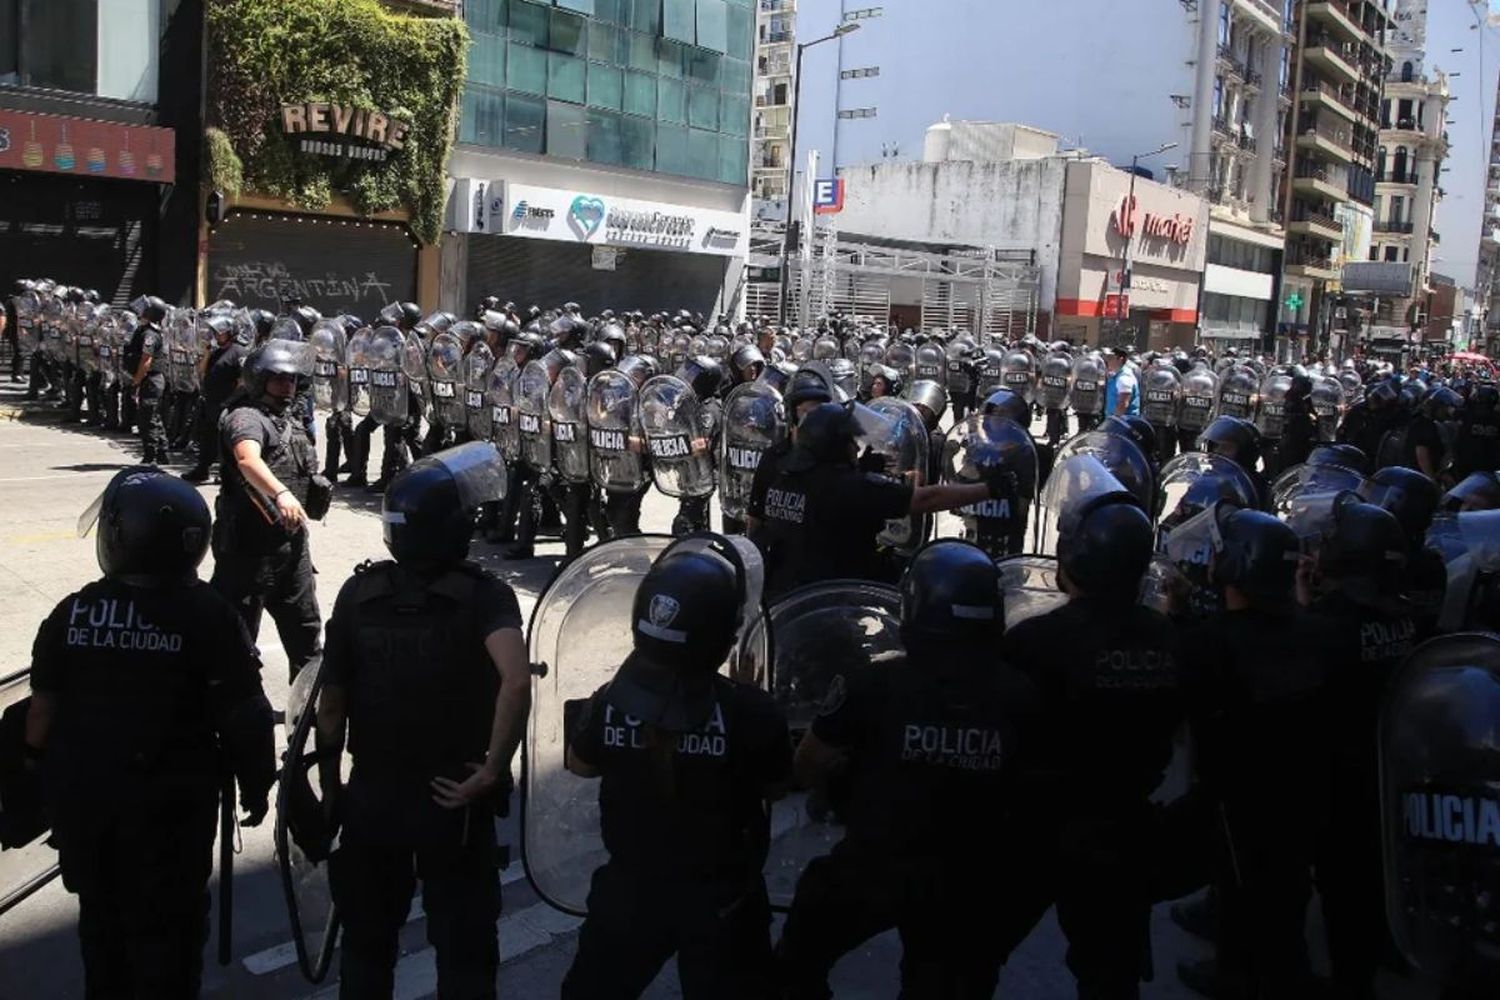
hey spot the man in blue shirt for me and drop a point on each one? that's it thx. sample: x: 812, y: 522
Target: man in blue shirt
x: 1121, y: 390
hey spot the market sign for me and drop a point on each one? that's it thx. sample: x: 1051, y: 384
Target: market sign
x: 603, y: 220
x: 344, y: 131
x: 58, y: 145
x: 1127, y: 218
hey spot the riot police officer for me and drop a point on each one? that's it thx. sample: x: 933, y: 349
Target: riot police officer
x: 426, y: 668
x: 1355, y: 582
x: 1255, y: 676
x: 1369, y: 420
x: 221, y: 375
x: 931, y: 750
x: 1237, y: 440
x: 1299, y: 430
x: 404, y: 316
x: 262, y: 557
x: 686, y: 760
x: 145, y: 365
x: 1107, y: 669
x: 137, y: 679
x: 821, y: 513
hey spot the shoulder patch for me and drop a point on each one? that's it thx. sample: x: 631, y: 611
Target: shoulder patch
x: 838, y: 693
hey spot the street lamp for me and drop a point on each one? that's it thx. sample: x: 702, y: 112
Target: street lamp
x: 847, y: 28
x: 1127, y: 224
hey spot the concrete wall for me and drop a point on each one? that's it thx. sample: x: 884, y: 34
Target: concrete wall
x: 1010, y: 205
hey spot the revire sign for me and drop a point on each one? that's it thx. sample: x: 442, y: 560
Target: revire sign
x: 341, y: 130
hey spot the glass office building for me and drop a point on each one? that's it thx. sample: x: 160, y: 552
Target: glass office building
x: 603, y: 155
x: 657, y: 85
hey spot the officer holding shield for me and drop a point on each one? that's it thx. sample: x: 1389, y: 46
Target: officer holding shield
x: 221, y: 375
x: 686, y: 760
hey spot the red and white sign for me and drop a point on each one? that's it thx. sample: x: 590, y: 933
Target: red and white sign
x: 1116, y: 307
x: 1127, y: 218
x: 828, y: 196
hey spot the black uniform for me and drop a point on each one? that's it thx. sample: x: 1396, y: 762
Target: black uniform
x: 1112, y: 702
x: 1372, y: 643
x: 821, y: 524
x: 933, y: 751
x: 1299, y: 433
x: 1256, y: 683
x: 147, y: 342
x: 220, y: 378
x: 258, y: 566
x: 687, y: 834
x: 1477, y: 448
x: 409, y: 653
x: 148, y: 683
x: 1365, y: 428
x: 1423, y: 432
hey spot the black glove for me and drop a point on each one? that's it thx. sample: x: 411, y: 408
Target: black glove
x: 1002, y: 482
x: 872, y: 461
x: 256, y: 807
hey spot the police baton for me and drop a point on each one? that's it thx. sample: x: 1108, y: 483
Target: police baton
x: 226, y: 865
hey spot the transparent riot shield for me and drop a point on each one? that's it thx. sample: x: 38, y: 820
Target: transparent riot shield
x: 478, y: 414
x: 1237, y: 392
x: 1270, y: 414
x: 1018, y: 374
x: 330, y: 369
x: 974, y: 449
x: 505, y: 428
x: 1194, y: 481
x: 805, y: 640
x: 1307, y: 480
x: 1087, y: 394
x: 303, y: 840
x: 960, y: 369
x: 903, y: 358
x: 1029, y: 584
x: 826, y: 348
x: 183, y: 349
x: 1328, y: 406
x: 389, y: 377
x: 677, y: 435
x: 1084, y: 471
x: 931, y: 362
x: 579, y: 635
x: 533, y: 386
x: 989, y: 373
x: 1469, y: 545
x: 1440, y: 805
x: 87, y: 357
x: 616, y: 443
x: 358, y: 375
x: 1053, y: 381
x: 445, y: 378
x: 414, y: 364
x: 28, y: 308
x: 1200, y: 393
x: 1161, y: 394
x: 567, y: 405
x: 27, y: 862
x: 754, y: 422
x: 905, y: 446
x: 870, y: 355
x: 53, y: 316
x: 1124, y: 459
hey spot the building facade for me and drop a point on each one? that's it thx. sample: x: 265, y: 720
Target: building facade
x: 1339, y: 71
x: 775, y: 94
x: 1486, y: 334
x: 99, y: 150
x: 1241, y: 101
x: 603, y: 154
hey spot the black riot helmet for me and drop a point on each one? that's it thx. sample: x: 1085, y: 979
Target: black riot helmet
x: 638, y: 368
x: 1484, y: 399
x: 1233, y: 437
x: 1346, y: 455
x: 826, y: 434
x: 1137, y: 429
x: 1256, y: 554
x: 597, y: 357
x: 402, y: 315
x: 1442, y: 404
x: 951, y: 595
x: 684, y: 621
x: 704, y: 374
x: 1108, y: 551
x: 153, y: 528
x: 1383, y: 395
x: 306, y: 317
x: 890, y: 377
x: 429, y: 506
x: 613, y: 334
x: 262, y: 320
x: 1008, y: 405
x: 149, y: 308
x: 807, y: 385
x: 930, y: 399
x: 1410, y: 495
x: 748, y: 362
x: 1365, y: 551
x: 274, y: 357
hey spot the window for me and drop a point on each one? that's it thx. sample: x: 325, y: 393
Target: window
x: 859, y: 74
x: 1223, y: 24
x: 669, y: 58
x: 672, y: 148
x: 582, y: 6
x: 528, y: 23
x: 640, y: 94
x: 480, y: 15
x: 487, y: 60
x: 713, y: 25
x: 679, y: 20
x: 1375, y: 253
x: 1398, y: 167
x: 62, y: 50
x: 1398, y: 209
x: 703, y: 107
x: 1390, y: 255
x: 703, y: 154
x: 671, y: 101
x: 1406, y: 254
x: 605, y: 43
x: 565, y: 33
x: 1380, y: 164
x: 526, y: 69
x: 565, y: 78
x: 482, y: 116
x: 734, y: 160
x: 567, y: 131
x: 1218, y: 96
x: 638, y: 142
x: 645, y: 15
x: 606, y: 86
x: 734, y: 114
x: 525, y: 123
x: 604, y: 141
x: 740, y: 31
x: 1406, y: 71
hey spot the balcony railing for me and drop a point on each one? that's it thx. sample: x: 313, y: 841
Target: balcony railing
x: 1223, y: 126
x: 1387, y: 226
x: 1397, y: 177
x: 1331, y: 92
x: 1339, y: 137
x: 1312, y: 171
x: 1298, y: 256
x: 775, y: 37
x: 1316, y: 218
x: 770, y: 101
x: 1227, y: 55
x: 1245, y: 142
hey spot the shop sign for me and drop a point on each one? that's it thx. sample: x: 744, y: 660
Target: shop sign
x: 344, y: 131
x: 594, y: 219
x: 1127, y: 218
x: 57, y: 145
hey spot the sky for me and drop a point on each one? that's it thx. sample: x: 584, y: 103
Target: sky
x: 1097, y: 72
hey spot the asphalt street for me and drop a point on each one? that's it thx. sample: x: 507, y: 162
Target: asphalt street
x: 49, y: 472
